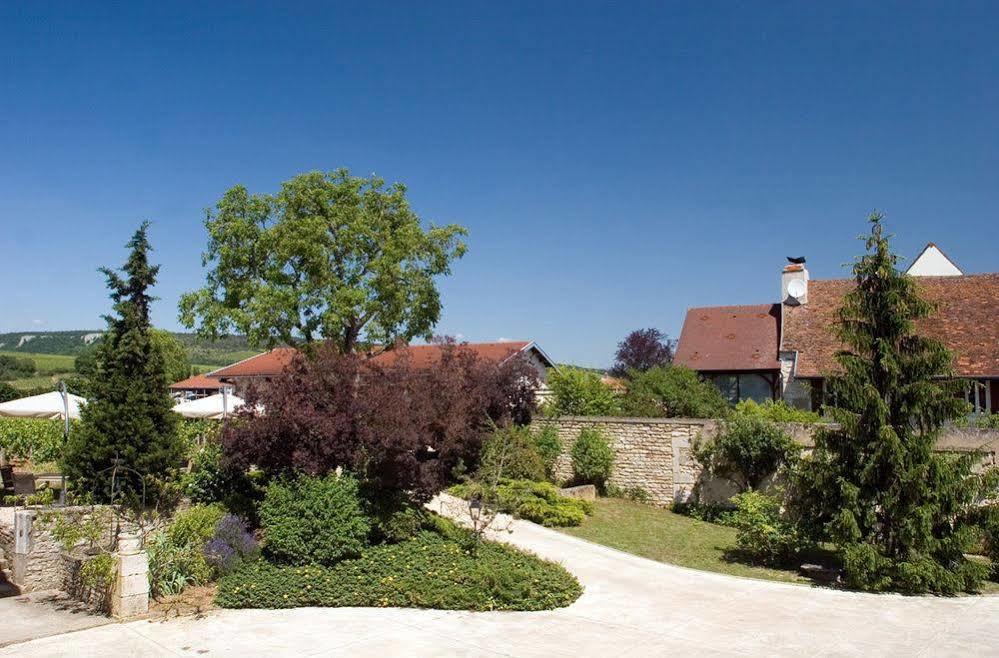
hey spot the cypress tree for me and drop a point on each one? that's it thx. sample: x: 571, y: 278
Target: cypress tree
x: 899, y: 512
x: 129, y: 413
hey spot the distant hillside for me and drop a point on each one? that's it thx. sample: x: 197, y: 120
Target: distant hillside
x: 72, y: 343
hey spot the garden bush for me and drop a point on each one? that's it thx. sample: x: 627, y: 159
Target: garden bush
x: 230, y: 545
x: 212, y: 480
x: 764, y: 534
x: 577, y: 392
x: 540, y: 502
x: 746, y: 450
x: 512, y: 452
x: 549, y: 447
x: 592, y: 458
x: 314, y: 520
x: 428, y: 571
x: 195, y: 526
x: 172, y: 567
x: 673, y: 392
x: 380, y: 419
x: 777, y: 412
x: 177, y: 553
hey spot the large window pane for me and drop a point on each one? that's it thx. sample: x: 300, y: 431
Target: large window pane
x: 755, y: 388
x: 728, y: 385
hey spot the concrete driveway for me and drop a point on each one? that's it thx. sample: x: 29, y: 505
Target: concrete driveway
x: 631, y: 607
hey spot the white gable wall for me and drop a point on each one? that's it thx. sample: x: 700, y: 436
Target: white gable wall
x: 932, y: 262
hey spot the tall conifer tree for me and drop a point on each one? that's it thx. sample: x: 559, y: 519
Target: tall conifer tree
x: 129, y: 412
x: 898, y: 510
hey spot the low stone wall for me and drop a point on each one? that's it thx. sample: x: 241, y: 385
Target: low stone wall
x: 655, y: 454
x: 37, y: 562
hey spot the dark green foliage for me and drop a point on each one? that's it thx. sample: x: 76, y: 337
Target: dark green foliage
x: 394, y: 516
x: 746, y: 450
x: 592, y: 458
x: 673, y: 392
x: 212, y: 480
x: 874, y: 486
x: 578, y: 392
x: 129, y: 415
x: 314, y: 520
x: 428, y: 571
x: 512, y: 452
x: 765, y: 535
x: 549, y: 447
x: 540, y: 502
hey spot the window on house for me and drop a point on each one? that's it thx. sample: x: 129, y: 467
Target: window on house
x: 743, y: 387
x: 976, y: 393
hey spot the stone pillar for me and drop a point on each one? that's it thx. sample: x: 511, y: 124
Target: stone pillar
x: 130, y: 597
x: 23, y: 522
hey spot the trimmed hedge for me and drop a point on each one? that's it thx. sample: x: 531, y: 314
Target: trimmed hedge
x: 428, y: 571
x: 36, y: 438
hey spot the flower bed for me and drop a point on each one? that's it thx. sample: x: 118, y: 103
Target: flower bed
x: 428, y: 571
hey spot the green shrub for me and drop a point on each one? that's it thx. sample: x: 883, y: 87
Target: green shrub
x: 195, y: 526
x: 674, y: 392
x: 511, y: 452
x: 210, y: 480
x: 763, y: 533
x: 549, y: 446
x: 37, y: 439
x: 577, y: 392
x: 540, y: 502
x: 983, y: 422
x: 172, y: 566
x: 428, y: 571
x: 708, y: 512
x: 746, y: 450
x: 777, y: 412
x: 637, y: 494
x: 314, y: 520
x: 592, y: 458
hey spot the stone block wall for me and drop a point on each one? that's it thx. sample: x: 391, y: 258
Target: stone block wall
x: 655, y: 454
x: 37, y: 562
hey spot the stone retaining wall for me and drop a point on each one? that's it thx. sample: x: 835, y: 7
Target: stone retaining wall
x: 655, y: 454
x: 37, y: 562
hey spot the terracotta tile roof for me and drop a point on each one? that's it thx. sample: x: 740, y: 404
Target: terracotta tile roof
x: 196, y: 382
x: 729, y: 338
x: 273, y: 362
x: 966, y: 321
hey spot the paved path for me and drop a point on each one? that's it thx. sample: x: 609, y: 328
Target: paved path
x: 40, y: 614
x: 631, y: 607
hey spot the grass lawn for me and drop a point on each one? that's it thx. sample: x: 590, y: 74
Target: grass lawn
x: 665, y: 536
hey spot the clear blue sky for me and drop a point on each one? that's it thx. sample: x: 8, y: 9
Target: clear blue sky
x: 615, y: 164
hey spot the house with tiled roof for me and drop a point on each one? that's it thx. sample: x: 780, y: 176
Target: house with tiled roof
x: 198, y: 386
x: 785, y: 350
x: 268, y: 365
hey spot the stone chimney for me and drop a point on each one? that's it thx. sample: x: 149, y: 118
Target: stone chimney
x: 794, y: 283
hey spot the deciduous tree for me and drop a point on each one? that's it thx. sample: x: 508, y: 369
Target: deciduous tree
x: 331, y: 256
x: 641, y: 350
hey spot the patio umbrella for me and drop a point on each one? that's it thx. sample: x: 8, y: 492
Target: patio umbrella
x: 47, y: 405
x: 215, y: 407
